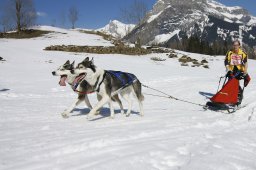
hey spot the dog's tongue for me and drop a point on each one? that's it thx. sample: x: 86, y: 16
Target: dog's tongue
x: 78, y: 78
x: 63, y: 81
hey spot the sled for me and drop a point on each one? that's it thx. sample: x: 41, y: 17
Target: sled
x: 230, y: 97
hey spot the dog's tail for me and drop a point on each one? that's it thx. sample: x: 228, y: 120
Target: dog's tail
x: 137, y: 86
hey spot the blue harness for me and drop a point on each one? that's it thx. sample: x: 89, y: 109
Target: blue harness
x: 126, y: 79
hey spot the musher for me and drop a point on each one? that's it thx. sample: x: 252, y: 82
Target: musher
x: 236, y: 64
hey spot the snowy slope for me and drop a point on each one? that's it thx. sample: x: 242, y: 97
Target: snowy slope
x: 117, y: 29
x: 172, y: 135
x: 69, y: 37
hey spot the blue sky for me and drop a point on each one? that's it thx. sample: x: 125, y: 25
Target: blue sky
x: 97, y: 13
x: 92, y: 13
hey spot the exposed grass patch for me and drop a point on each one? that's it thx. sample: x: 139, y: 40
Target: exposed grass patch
x: 31, y: 33
x: 105, y: 36
x: 157, y: 59
x: 204, y: 61
x: 99, y: 49
x: 206, y: 66
x: 173, y: 55
x: 184, y: 60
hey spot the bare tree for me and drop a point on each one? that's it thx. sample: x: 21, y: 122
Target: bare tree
x: 73, y: 16
x: 135, y: 12
x: 21, y: 13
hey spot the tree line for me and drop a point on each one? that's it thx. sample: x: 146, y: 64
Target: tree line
x: 196, y: 45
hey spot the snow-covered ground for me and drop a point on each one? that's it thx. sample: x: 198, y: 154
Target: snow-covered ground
x: 172, y: 135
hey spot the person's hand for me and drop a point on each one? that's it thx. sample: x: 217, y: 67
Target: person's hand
x: 245, y: 75
x: 241, y: 76
x: 227, y: 68
x: 229, y: 73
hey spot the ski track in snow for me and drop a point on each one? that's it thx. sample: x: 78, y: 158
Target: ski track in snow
x: 171, y: 135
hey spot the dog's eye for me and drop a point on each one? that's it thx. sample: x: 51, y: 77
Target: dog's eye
x: 62, y: 69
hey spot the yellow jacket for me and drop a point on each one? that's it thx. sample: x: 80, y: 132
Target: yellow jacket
x: 236, y: 59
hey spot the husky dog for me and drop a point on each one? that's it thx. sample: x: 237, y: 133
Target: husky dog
x: 78, y: 85
x: 107, y: 84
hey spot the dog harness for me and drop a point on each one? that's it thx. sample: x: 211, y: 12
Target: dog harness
x: 124, y: 78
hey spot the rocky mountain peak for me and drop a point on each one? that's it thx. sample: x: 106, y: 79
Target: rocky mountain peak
x: 172, y: 20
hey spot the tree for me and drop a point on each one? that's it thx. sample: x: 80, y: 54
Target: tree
x: 20, y: 13
x: 135, y: 12
x: 73, y: 16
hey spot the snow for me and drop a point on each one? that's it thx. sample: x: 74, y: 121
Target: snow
x: 117, y: 29
x: 229, y: 13
x: 153, y: 17
x: 252, y: 21
x: 228, y: 20
x: 69, y: 37
x: 165, y: 37
x: 172, y: 135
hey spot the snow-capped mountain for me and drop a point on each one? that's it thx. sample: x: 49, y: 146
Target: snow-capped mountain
x: 117, y: 29
x: 172, y: 20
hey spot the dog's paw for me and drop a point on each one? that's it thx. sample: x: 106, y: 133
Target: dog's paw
x: 97, y: 113
x: 89, y: 116
x: 111, y: 117
x: 128, y: 114
x: 64, y: 115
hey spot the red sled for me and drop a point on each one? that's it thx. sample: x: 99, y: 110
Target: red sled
x: 231, y: 95
x: 228, y: 94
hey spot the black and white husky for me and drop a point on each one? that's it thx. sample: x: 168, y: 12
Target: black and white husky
x: 107, y: 84
x: 80, y: 86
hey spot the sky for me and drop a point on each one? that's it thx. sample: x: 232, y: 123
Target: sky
x: 97, y: 13
x: 92, y: 13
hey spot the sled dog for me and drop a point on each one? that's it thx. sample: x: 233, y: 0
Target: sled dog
x: 106, y: 84
x: 80, y: 86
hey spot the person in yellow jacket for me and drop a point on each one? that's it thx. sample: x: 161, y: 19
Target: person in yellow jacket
x: 236, y: 63
x: 236, y: 59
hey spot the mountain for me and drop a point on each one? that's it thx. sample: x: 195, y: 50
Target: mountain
x: 117, y: 29
x: 172, y: 20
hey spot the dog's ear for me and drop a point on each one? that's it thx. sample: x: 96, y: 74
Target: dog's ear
x: 92, y: 61
x: 73, y: 65
x: 86, y: 59
x: 67, y: 62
